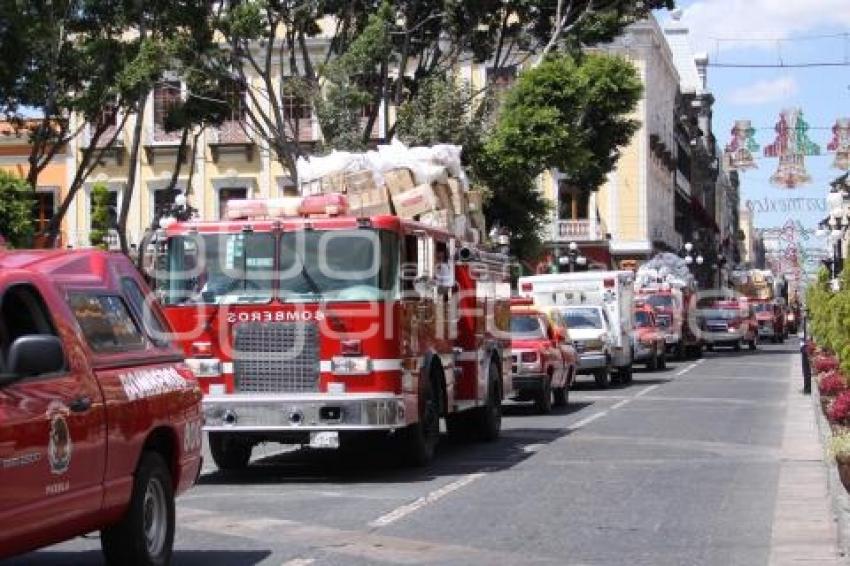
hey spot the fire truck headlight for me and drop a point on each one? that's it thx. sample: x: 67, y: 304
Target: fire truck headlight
x: 351, y: 365
x: 205, y: 367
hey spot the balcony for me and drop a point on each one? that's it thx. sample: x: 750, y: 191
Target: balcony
x: 585, y: 230
x: 230, y: 138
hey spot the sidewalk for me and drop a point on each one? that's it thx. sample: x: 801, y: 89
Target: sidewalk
x: 805, y: 529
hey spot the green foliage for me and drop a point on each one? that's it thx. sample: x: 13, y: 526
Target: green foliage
x: 567, y: 113
x: 99, y: 216
x: 353, y: 81
x: 829, y: 316
x: 16, y: 202
x: 839, y: 446
x: 444, y: 111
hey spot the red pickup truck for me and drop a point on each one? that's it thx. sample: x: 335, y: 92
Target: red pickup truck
x: 100, y: 420
x: 544, y: 360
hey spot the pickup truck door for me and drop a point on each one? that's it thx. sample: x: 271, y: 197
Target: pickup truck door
x: 52, y: 430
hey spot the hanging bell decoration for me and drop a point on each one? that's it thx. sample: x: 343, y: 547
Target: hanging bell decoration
x: 840, y: 144
x: 791, y: 146
x: 739, y: 152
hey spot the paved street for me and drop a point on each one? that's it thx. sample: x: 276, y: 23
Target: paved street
x: 681, y: 467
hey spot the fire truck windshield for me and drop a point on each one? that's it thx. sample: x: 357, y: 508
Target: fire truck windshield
x: 663, y: 301
x: 338, y: 265
x: 301, y: 266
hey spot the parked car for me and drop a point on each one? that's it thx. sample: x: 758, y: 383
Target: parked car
x: 729, y: 323
x: 649, y: 338
x: 541, y: 366
x: 100, y: 420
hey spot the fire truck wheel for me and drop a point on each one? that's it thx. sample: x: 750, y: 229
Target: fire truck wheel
x: 229, y: 452
x: 489, y: 417
x: 543, y: 399
x: 145, y: 536
x: 662, y: 362
x: 680, y: 352
x: 420, y: 439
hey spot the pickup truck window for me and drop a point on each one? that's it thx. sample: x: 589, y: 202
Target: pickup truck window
x: 527, y: 326
x: 22, y: 313
x: 151, y: 320
x: 106, y: 322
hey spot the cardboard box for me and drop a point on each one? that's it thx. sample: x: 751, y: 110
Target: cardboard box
x: 475, y: 201
x: 442, y: 219
x: 370, y: 202
x: 359, y: 181
x: 399, y: 180
x: 478, y: 221
x: 458, y: 196
x: 415, y: 201
x: 444, y: 196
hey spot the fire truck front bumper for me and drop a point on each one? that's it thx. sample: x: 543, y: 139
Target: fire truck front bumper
x: 304, y: 412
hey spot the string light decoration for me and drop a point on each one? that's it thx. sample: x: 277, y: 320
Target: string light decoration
x: 840, y: 144
x: 739, y: 152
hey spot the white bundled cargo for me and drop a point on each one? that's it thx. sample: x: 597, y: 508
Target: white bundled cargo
x: 424, y: 183
x: 664, y: 268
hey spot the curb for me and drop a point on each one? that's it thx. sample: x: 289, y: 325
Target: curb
x: 840, y: 497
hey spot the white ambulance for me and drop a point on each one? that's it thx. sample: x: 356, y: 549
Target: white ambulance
x: 600, y: 306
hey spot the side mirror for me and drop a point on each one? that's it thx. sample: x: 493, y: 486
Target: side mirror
x: 36, y: 354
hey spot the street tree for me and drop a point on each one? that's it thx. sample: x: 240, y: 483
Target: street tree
x: 570, y: 113
x: 16, y: 202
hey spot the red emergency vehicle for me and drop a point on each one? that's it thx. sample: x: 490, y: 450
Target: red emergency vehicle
x: 312, y: 328
x: 100, y: 420
x: 543, y: 360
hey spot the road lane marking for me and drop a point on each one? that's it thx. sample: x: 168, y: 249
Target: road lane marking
x: 647, y: 390
x: 299, y: 562
x: 424, y: 501
x: 587, y: 420
x: 620, y: 404
x: 687, y: 369
x: 531, y: 448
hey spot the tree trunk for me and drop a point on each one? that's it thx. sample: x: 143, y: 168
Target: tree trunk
x: 131, y: 173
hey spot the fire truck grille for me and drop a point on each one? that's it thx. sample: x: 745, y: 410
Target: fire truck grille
x: 273, y: 357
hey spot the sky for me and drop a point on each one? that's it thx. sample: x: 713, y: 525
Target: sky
x: 775, y: 32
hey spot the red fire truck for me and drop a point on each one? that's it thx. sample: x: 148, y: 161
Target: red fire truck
x: 309, y: 326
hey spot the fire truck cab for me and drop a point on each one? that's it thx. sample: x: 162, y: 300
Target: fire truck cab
x: 309, y: 329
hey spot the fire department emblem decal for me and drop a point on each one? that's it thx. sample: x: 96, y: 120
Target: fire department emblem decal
x: 59, y: 445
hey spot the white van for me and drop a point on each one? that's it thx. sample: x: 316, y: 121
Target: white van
x: 612, y: 292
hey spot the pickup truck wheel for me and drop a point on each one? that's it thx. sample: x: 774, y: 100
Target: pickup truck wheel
x: 145, y: 536
x: 419, y: 441
x: 229, y: 452
x: 624, y: 375
x: 652, y: 364
x: 562, y: 394
x: 737, y: 346
x: 543, y: 399
x: 602, y: 377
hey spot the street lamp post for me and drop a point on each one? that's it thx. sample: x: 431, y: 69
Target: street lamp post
x: 690, y: 260
x: 573, y: 258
